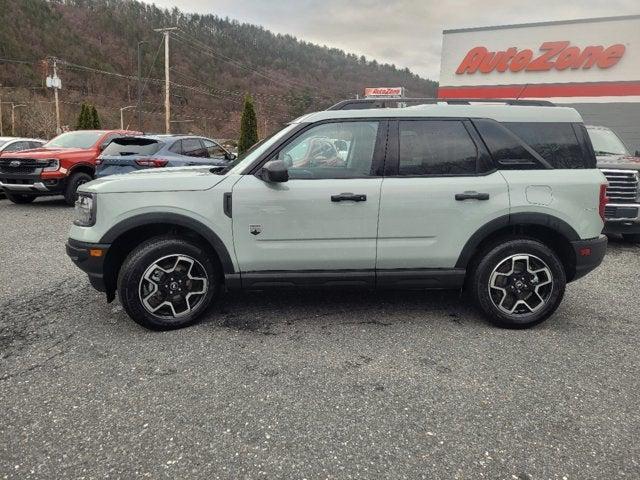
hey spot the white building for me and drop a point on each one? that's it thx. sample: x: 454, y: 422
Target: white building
x: 590, y: 64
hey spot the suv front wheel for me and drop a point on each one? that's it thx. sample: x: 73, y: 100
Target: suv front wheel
x: 518, y: 283
x: 167, y: 282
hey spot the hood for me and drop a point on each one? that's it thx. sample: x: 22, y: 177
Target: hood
x: 173, y: 179
x: 621, y: 162
x: 46, y: 152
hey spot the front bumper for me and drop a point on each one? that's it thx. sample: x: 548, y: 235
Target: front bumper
x: 622, y: 218
x: 588, y: 255
x: 30, y: 183
x: 89, y: 257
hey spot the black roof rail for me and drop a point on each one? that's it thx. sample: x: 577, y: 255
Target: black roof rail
x: 365, y: 103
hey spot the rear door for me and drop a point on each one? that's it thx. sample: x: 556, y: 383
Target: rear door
x: 439, y: 189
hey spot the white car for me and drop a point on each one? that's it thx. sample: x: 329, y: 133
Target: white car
x: 502, y: 200
x: 17, y: 144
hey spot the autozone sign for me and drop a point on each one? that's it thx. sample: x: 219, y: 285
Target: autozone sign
x: 384, y: 92
x: 554, y: 55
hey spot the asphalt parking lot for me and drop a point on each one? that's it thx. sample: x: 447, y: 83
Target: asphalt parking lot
x: 312, y: 384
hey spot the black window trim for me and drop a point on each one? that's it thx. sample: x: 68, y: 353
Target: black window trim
x: 392, y: 164
x: 379, y: 151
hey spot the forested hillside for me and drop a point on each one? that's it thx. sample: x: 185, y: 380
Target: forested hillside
x: 214, y: 61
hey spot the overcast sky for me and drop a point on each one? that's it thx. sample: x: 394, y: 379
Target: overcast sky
x: 407, y: 33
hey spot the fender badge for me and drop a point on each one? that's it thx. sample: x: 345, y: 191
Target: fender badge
x: 255, y: 229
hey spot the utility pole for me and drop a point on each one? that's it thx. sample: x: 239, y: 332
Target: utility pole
x: 167, y: 102
x: 13, y: 117
x: 140, y: 86
x: 1, y: 132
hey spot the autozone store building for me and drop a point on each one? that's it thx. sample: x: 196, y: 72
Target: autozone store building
x: 592, y: 65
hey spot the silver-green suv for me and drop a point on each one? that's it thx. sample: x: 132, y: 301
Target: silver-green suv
x: 504, y: 201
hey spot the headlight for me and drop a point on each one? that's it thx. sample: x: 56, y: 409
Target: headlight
x: 85, y: 209
x: 54, y: 164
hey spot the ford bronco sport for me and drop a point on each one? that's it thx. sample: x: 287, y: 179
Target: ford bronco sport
x: 58, y: 167
x: 504, y: 201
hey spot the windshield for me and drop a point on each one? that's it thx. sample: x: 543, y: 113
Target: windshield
x: 79, y: 139
x: 605, y: 142
x: 131, y: 146
x: 258, y: 149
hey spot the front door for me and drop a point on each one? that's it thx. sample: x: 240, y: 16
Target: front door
x: 440, y: 190
x: 324, y: 219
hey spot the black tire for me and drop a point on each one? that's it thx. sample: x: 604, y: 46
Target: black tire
x: 71, y: 191
x: 509, y: 290
x: 19, y: 198
x: 132, y: 287
x: 631, y: 237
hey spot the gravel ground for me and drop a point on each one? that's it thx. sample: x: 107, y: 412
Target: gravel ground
x: 312, y: 384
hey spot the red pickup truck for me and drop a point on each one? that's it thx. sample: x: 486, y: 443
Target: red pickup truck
x: 59, y: 167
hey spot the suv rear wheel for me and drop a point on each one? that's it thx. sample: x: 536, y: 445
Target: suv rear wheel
x: 518, y: 283
x: 167, y: 283
x: 19, y: 198
x: 75, y: 180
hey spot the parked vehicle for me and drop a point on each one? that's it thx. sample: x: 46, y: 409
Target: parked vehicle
x: 17, y: 144
x: 128, y: 154
x: 437, y: 196
x: 623, y: 172
x: 59, y: 167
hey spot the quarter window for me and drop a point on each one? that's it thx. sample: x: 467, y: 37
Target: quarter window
x: 555, y: 142
x: 436, y: 147
x: 332, y: 150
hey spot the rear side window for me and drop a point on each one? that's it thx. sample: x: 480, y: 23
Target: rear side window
x: 436, y: 147
x: 555, y: 142
x: 131, y: 146
x: 507, y: 150
x: 192, y: 147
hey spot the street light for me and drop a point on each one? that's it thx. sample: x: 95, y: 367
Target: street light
x: 121, y: 116
x: 140, y: 43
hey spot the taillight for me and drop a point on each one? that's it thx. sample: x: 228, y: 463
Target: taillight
x: 153, y: 163
x: 603, y: 200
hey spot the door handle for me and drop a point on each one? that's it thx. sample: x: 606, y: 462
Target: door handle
x: 472, y: 196
x: 349, y: 197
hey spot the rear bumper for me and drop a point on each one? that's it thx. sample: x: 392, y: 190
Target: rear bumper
x: 589, y: 254
x: 84, y: 255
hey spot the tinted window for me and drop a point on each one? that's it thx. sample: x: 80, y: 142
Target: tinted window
x: 36, y: 144
x: 505, y: 147
x: 192, y: 147
x: 555, y: 142
x: 436, y: 147
x: 332, y: 150
x: 132, y: 146
x: 176, y: 147
x: 213, y: 149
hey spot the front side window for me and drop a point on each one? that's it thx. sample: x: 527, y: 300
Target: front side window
x: 213, y: 149
x: 331, y: 150
x: 436, y: 147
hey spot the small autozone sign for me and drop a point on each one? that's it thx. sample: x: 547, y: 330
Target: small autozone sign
x: 556, y: 55
x: 384, y: 92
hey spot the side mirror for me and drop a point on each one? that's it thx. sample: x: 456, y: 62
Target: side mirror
x: 104, y: 145
x: 230, y: 156
x: 274, y: 171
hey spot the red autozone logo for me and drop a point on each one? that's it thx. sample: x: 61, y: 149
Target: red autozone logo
x: 555, y: 55
x: 384, y: 91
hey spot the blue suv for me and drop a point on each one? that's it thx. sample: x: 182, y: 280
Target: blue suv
x: 127, y: 154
